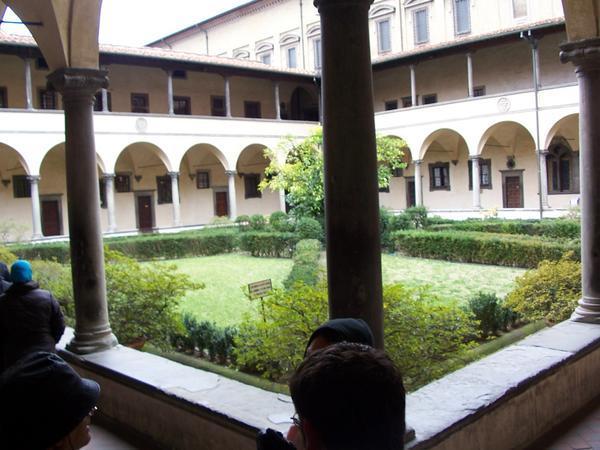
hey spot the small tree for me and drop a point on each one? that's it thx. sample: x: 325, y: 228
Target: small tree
x: 301, y: 175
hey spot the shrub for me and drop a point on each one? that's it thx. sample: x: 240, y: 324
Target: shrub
x: 306, y: 264
x: 213, y: 342
x: 386, y: 226
x: 257, y: 222
x: 551, y: 228
x: 492, y: 315
x: 273, y: 244
x: 6, y: 256
x: 483, y: 248
x: 309, y: 228
x: 549, y: 292
x: 280, y: 221
x: 56, y: 251
x: 243, y: 222
x: 417, y: 215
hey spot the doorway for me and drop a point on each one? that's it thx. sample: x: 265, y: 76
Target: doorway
x: 51, y: 216
x: 144, y: 211
x: 221, y: 204
x: 411, y: 198
x: 512, y: 189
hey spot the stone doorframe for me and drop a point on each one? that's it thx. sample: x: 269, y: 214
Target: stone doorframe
x: 137, y: 194
x: 512, y: 173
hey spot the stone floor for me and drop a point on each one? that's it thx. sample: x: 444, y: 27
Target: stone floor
x: 580, y: 433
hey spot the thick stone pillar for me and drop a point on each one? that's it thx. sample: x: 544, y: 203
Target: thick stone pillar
x: 92, y: 329
x: 170, y: 92
x: 28, y: 84
x: 277, y: 105
x: 542, y: 154
x: 418, y: 184
x: 231, y: 193
x: 413, y: 85
x: 36, y: 217
x: 175, y: 197
x: 585, y: 55
x: 227, y: 98
x: 109, y: 183
x: 470, y: 88
x: 476, y: 178
x: 350, y: 160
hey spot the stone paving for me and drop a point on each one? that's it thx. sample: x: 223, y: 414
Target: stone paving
x: 581, y: 433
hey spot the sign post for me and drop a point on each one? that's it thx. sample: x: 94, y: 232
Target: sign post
x: 260, y: 289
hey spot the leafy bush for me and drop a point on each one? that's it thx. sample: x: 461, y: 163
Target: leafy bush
x: 243, y: 222
x: 6, y: 256
x: 272, y: 244
x: 211, y: 341
x: 56, y: 251
x: 280, y: 221
x: 483, y: 248
x: 386, y: 224
x: 549, y: 292
x: 551, y: 228
x: 309, y: 228
x: 491, y: 313
x: 306, y: 264
x: 417, y: 215
x: 257, y: 222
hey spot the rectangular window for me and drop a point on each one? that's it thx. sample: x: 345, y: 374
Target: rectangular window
x: 384, y: 38
x: 252, y: 110
x: 217, y: 105
x: 47, y: 99
x: 391, y: 104
x: 21, y: 186
x: 478, y: 91
x: 429, y: 99
x: 398, y: 173
x: 385, y: 189
x: 439, y: 176
x: 41, y: 64
x: 179, y: 73
x: 519, y: 9
x: 251, y: 181
x: 98, y: 106
x: 202, y: 180
x: 462, y: 16
x: 164, y: 192
x: 317, y: 50
x: 421, y: 25
x: 182, y: 105
x: 407, y: 102
x: 485, y: 174
x: 102, y: 189
x: 291, y: 58
x: 140, y: 103
x: 265, y: 58
x: 122, y: 182
x: 3, y: 97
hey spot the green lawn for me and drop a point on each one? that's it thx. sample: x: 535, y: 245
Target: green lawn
x: 223, y: 301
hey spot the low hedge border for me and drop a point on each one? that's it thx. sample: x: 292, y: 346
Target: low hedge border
x: 272, y: 244
x: 482, y: 248
x: 552, y: 228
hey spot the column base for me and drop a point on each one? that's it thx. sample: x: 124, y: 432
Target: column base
x: 36, y: 236
x: 84, y: 343
x: 588, y: 311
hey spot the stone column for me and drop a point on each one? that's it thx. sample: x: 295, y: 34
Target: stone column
x: 28, y: 84
x: 231, y: 193
x: 227, y: 98
x: 413, y: 85
x: 92, y: 329
x: 105, y: 101
x: 542, y: 154
x: 585, y: 55
x: 277, y: 105
x: 350, y: 160
x: 476, y: 181
x: 34, y: 181
x: 170, y: 91
x: 418, y: 185
x: 470, y: 74
x: 175, y: 197
x: 109, y: 183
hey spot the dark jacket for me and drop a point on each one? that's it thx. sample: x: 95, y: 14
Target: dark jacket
x: 4, y: 277
x: 30, y: 320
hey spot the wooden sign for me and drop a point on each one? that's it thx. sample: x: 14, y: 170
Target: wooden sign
x: 260, y: 288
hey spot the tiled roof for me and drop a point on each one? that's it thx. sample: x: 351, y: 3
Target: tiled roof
x: 169, y: 55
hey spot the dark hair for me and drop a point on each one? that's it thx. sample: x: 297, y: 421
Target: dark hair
x: 353, y: 396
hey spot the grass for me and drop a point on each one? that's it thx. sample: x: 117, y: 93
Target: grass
x: 223, y: 300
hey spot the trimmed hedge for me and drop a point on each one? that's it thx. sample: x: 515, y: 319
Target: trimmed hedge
x: 306, y: 264
x: 273, y: 244
x: 553, y: 228
x: 482, y: 248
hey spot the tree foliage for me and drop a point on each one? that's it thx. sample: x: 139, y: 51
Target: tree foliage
x: 301, y: 175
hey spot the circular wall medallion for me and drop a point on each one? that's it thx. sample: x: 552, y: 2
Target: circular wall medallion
x: 503, y: 104
x: 141, y: 125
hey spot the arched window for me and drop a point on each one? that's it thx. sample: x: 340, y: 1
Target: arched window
x: 563, y: 168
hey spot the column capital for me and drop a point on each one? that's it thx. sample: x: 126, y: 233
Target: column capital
x: 71, y: 81
x: 417, y: 162
x: 108, y: 176
x: 173, y: 174
x: 474, y: 157
x: 333, y: 3
x: 542, y: 152
x: 585, y: 54
x: 34, y: 178
x: 230, y: 173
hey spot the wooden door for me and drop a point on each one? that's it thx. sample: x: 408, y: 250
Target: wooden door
x: 144, y: 210
x: 51, y: 225
x: 513, y: 197
x: 221, y: 204
x: 411, y: 198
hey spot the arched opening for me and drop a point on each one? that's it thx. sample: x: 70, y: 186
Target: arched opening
x: 53, y: 192
x: 303, y: 106
x: 250, y: 168
x: 562, y: 162
x: 400, y: 193
x: 15, y: 196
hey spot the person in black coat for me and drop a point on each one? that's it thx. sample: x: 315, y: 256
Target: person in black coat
x: 4, y: 277
x: 30, y: 318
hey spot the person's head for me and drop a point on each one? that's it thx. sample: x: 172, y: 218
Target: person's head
x: 349, y: 397
x: 20, y: 272
x: 4, y: 272
x: 45, y: 404
x: 339, y: 330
